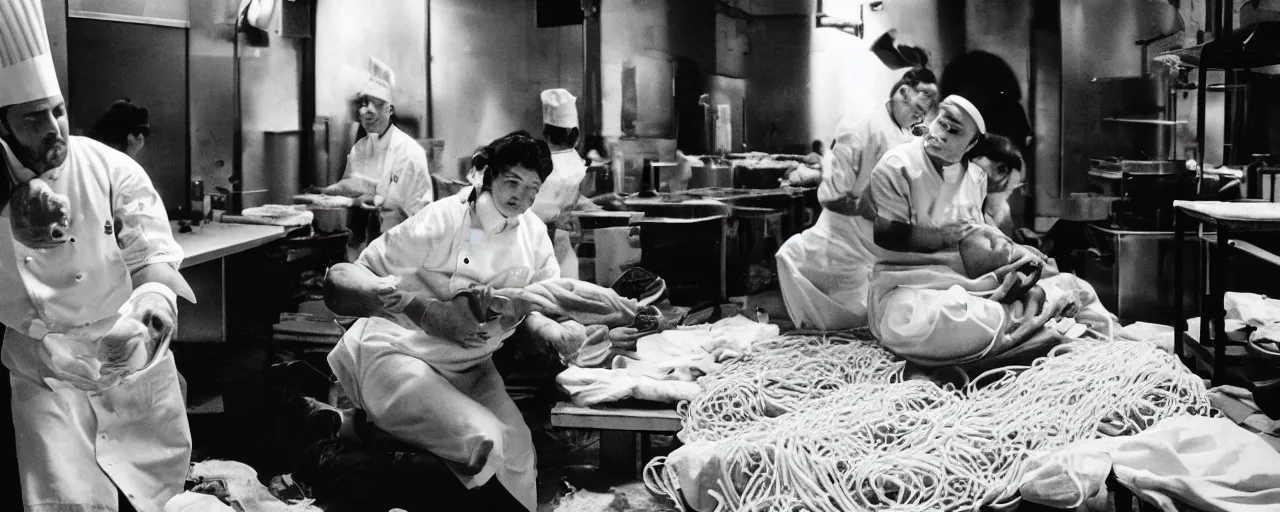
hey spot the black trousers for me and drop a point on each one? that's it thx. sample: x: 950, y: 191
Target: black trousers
x: 11, y: 486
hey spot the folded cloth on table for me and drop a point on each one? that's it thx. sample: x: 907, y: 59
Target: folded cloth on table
x: 1252, y: 309
x: 723, y: 339
x: 277, y: 215
x: 1209, y: 464
x: 587, y: 303
x: 1233, y: 211
x: 589, y: 387
x: 324, y: 201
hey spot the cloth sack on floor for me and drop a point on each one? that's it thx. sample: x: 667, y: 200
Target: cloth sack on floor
x: 196, y: 502
x: 1208, y: 464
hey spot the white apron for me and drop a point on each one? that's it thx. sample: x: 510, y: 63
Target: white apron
x: 76, y: 447
x: 440, y: 396
x: 824, y: 271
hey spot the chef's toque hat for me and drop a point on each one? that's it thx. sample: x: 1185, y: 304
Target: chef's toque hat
x: 559, y: 108
x: 26, y: 64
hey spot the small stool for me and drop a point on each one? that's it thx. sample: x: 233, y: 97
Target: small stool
x: 624, y: 433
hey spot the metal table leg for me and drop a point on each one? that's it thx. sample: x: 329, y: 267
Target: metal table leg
x: 1178, y: 322
x: 1217, y: 294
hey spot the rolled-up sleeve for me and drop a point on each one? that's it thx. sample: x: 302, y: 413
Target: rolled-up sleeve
x: 888, y: 196
x: 143, y: 232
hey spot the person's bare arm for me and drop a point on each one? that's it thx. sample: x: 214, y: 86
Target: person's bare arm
x: 902, y: 237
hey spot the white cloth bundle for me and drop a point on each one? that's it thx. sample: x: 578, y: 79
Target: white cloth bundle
x: 1210, y: 464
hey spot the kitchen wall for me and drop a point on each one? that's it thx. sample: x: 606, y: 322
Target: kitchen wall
x: 847, y: 78
x: 348, y: 33
x: 55, y: 20
x: 1004, y: 28
x: 269, y: 114
x: 486, y: 77
x: 210, y: 43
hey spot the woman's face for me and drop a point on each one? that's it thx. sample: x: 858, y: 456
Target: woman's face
x: 951, y: 134
x: 984, y: 251
x: 514, y: 190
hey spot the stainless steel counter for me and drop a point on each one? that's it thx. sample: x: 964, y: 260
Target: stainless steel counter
x: 204, y: 266
x: 211, y: 241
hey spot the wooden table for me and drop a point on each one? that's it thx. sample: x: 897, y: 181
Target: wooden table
x: 624, y: 433
x: 204, y: 266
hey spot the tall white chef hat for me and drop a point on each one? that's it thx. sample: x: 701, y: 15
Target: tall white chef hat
x: 559, y: 108
x: 381, y: 81
x: 969, y: 108
x: 26, y: 65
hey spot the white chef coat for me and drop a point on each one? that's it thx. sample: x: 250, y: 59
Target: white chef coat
x: 76, y: 447
x: 560, y: 190
x: 558, y: 195
x: 859, y: 143
x: 823, y: 271
x: 439, y: 394
x: 394, y: 166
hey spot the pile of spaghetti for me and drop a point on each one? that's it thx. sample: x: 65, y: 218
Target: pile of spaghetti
x: 832, y: 427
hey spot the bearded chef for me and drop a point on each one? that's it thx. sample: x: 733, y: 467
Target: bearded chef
x: 562, y: 188
x: 89, y: 268
x: 387, y: 169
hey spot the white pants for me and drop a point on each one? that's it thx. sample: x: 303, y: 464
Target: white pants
x: 76, y: 448
x: 823, y: 281
x: 445, y: 412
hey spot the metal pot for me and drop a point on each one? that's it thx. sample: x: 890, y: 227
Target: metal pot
x: 1088, y: 208
x: 330, y: 220
x: 759, y: 176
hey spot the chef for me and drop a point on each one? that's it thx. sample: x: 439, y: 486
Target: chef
x: 814, y: 268
x: 924, y: 196
x: 562, y: 188
x: 89, y: 268
x: 387, y: 169
x: 439, y: 294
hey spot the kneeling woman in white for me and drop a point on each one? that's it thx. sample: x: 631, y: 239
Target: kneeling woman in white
x: 442, y: 292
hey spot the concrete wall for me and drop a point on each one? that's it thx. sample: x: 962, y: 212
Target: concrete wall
x: 348, y: 32
x: 486, y: 78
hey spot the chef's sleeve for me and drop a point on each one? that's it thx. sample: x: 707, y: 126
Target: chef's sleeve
x: 356, y: 181
x: 416, y: 192
x: 888, y: 196
x: 840, y: 177
x: 407, y: 247
x: 142, y: 224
